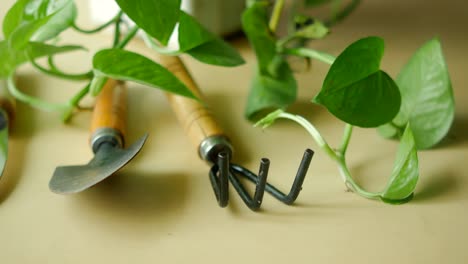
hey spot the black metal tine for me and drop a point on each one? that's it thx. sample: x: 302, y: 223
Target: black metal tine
x: 219, y: 181
x: 254, y: 202
x: 262, y: 180
x: 295, y: 188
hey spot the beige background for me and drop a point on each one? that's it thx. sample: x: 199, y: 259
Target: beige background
x: 161, y: 209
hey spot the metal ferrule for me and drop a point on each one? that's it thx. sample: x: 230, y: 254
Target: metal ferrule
x: 106, y: 135
x: 212, y: 146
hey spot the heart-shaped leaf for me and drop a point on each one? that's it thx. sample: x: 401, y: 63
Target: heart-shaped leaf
x: 273, y: 85
x: 268, y: 93
x: 427, y: 96
x: 356, y: 91
x: 405, y: 172
x: 125, y: 65
x: 156, y: 17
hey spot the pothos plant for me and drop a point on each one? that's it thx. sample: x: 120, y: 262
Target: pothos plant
x: 31, y: 30
x: 417, y: 108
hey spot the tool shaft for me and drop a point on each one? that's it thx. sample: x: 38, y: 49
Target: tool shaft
x: 196, y: 119
x: 109, y: 115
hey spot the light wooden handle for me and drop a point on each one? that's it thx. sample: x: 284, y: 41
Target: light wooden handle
x: 7, y: 103
x: 110, y: 110
x: 195, y: 118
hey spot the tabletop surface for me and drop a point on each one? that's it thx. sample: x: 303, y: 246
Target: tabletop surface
x: 161, y: 208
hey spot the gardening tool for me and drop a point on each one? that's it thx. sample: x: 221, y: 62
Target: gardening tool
x: 7, y: 112
x: 214, y: 147
x: 107, y: 141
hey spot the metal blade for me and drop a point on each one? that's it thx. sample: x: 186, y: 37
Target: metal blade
x: 3, y: 140
x: 108, y: 160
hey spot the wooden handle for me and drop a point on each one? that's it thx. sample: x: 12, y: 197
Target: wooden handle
x: 110, y: 110
x: 7, y: 103
x: 196, y: 119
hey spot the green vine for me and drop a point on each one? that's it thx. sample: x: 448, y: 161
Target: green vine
x: 45, y: 27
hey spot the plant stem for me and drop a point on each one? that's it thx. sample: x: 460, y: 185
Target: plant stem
x: 344, y: 171
x: 276, y: 15
x: 310, y: 53
x: 35, y: 102
x: 74, y: 101
x: 281, y: 44
x: 346, y: 137
x: 55, y: 72
x: 127, y: 38
x: 343, y: 13
x: 116, y: 33
x: 337, y: 156
x: 101, y: 27
x: 313, y: 132
x: 52, y: 66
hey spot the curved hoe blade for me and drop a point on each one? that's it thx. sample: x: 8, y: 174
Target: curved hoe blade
x: 108, y: 160
x: 3, y: 141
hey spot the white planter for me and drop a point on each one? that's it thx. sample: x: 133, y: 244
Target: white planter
x: 219, y: 16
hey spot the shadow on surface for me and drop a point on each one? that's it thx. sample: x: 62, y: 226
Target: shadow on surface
x: 25, y: 121
x: 223, y: 109
x: 437, y: 187
x: 138, y: 196
x: 457, y: 134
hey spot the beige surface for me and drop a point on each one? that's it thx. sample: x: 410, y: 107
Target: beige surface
x: 161, y: 209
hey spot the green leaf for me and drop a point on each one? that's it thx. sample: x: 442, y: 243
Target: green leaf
x: 255, y: 25
x: 97, y: 83
x: 427, y: 96
x: 40, y: 20
x: 36, y: 50
x: 217, y: 52
x: 396, y: 202
x: 24, y: 33
x: 125, y: 65
x: 11, y: 58
x: 273, y: 85
x: 192, y: 33
x: 6, y: 63
x: 268, y: 93
x: 157, y: 17
x: 204, y: 46
x: 356, y: 91
x: 389, y: 131
x: 61, y: 20
x: 13, y: 18
x: 405, y: 172
x: 316, y: 30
